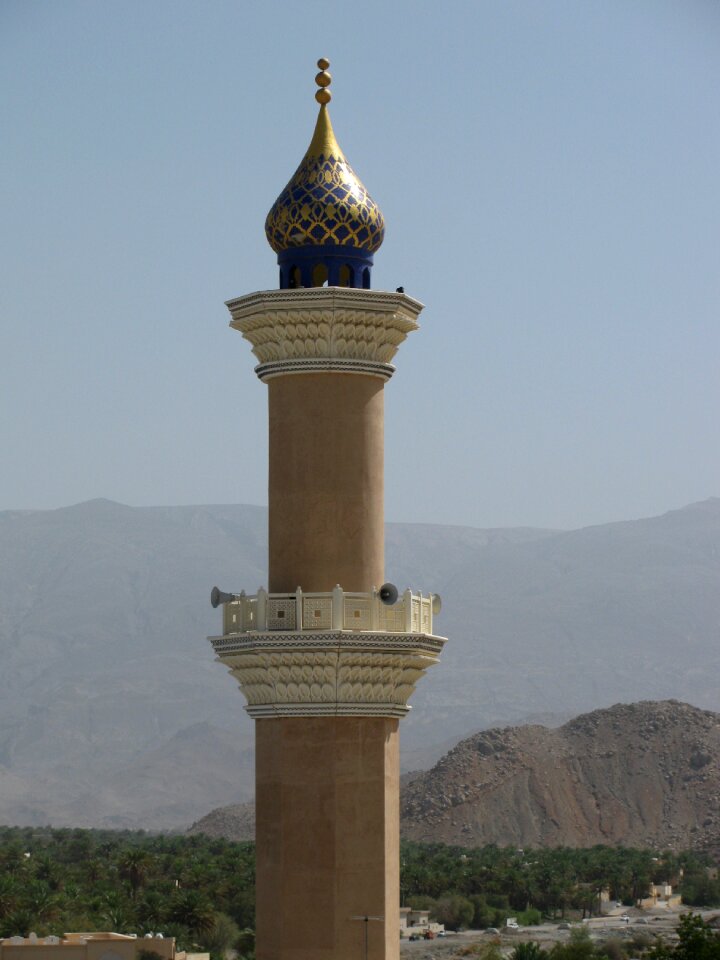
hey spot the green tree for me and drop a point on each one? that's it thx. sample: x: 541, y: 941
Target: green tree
x: 423, y: 902
x: 699, y: 890
x: 529, y: 918
x: 484, y: 915
x: 640, y: 874
x: 40, y: 902
x: 9, y: 894
x: 193, y: 910
x: 246, y: 944
x: 150, y: 910
x: 134, y: 866
x: 222, y: 937
x: 455, y: 911
x: 696, y: 941
x: 115, y: 911
x: 18, y: 923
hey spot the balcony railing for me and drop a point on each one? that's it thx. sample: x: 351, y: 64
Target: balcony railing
x: 338, y: 610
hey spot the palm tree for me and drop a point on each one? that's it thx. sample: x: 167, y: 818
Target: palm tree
x: 39, y: 901
x: 528, y: 951
x: 223, y: 936
x: 193, y: 910
x: 115, y: 912
x: 9, y: 893
x: 134, y: 865
x: 150, y: 910
x: 19, y: 923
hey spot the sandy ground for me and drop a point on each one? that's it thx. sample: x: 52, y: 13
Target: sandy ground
x: 601, y: 928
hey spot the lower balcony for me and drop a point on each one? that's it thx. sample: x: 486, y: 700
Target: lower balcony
x: 327, y: 654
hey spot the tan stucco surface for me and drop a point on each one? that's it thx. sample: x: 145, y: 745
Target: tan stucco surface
x: 327, y: 800
x: 326, y: 482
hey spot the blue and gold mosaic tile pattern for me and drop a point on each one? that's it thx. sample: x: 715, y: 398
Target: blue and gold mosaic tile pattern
x: 324, y: 202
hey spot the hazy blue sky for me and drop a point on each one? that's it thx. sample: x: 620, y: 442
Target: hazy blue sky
x: 548, y: 173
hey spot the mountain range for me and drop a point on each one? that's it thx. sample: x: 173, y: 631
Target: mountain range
x: 114, y: 713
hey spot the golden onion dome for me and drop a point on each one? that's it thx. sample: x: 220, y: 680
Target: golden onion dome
x: 325, y: 203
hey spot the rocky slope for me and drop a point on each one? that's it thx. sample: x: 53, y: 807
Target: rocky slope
x: 236, y: 822
x: 644, y: 774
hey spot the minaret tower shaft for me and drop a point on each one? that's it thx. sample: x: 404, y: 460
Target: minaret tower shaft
x: 326, y: 659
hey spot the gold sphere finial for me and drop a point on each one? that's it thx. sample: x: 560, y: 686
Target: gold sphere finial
x: 323, y: 80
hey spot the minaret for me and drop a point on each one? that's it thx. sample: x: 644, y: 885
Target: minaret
x: 328, y: 656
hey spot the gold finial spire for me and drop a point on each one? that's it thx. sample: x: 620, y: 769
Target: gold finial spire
x: 324, y: 204
x: 323, y: 80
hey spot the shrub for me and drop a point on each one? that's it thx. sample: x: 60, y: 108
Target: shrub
x: 614, y: 949
x: 528, y: 951
x: 481, y: 951
x: 529, y: 918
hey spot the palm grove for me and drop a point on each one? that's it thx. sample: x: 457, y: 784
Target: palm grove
x: 201, y: 890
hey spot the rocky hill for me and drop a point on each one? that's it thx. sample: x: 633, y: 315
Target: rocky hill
x: 644, y: 774
x: 235, y: 822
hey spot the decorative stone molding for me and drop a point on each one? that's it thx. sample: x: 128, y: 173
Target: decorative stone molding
x: 327, y: 674
x: 321, y: 329
x: 322, y: 641
x: 266, y: 371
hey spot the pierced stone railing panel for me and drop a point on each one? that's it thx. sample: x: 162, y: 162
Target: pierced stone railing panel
x: 317, y: 612
x: 281, y: 613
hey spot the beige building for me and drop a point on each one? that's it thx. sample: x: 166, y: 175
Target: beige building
x: 93, y: 946
x: 660, y: 895
x: 418, y: 922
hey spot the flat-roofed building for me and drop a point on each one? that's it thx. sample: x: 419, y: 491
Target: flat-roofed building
x: 94, y: 946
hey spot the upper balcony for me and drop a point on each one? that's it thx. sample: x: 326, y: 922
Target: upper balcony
x: 338, y: 610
